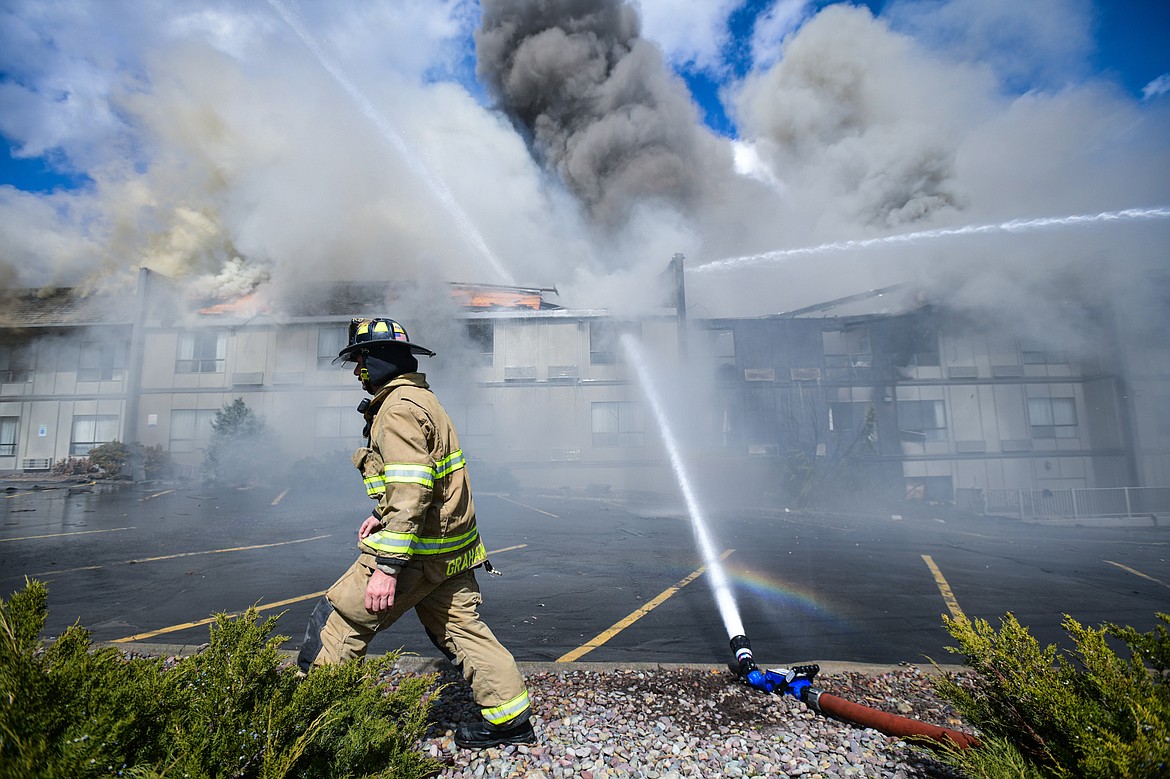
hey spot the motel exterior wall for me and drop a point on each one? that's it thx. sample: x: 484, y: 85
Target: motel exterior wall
x: 954, y: 410
x: 545, y: 395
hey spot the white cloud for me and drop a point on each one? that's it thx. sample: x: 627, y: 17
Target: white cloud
x: 1039, y: 44
x: 1157, y: 87
x: 691, y: 34
x: 749, y: 163
x: 773, y: 27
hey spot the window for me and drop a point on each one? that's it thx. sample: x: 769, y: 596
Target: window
x: 8, y: 429
x: 618, y: 424
x: 1036, y: 354
x: 1053, y: 417
x: 15, y: 363
x: 930, y: 489
x: 723, y: 350
x: 604, y: 340
x: 201, y: 352
x: 190, y: 428
x: 850, y: 418
x: 474, y: 419
x: 101, y: 362
x: 723, y: 345
x: 847, y: 348
x: 921, y: 347
x: 337, y: 427
x: 331, y: 339
x: 482, y: 337
x: 90, y: 431
x: 922, y: 420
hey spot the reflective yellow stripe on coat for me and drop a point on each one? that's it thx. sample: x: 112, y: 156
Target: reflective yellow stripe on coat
x: 409, y: 473
x: 401, y: 544
x: 375, y: 485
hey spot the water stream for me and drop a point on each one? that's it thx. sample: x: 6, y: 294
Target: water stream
x: 462, y: 222
x: 720, y: 585
x: 1014, y: 226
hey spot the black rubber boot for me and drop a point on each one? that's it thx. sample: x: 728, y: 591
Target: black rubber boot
x: 480, y: 735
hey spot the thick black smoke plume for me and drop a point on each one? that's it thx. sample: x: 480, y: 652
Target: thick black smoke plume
x: 594, y: 100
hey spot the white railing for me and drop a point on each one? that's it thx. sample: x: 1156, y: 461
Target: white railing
x: 1077, y: 503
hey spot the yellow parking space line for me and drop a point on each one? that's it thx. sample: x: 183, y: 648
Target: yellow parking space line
x: 944, y: 588
x: 180, y: 554
x: 633, y: 617
x: 266, y: 607
x: 1138, y: 573
x: 59, y: 535
x: 209, y: 620
x: 279, y: 497
x: 16, y: 495
x: 525, y: 506
x: 158, y: 494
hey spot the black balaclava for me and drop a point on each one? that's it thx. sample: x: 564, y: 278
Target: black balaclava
x: 384, y: 364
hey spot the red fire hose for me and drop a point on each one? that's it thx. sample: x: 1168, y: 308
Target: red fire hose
x: 797, y: 682
x: 884, y: 722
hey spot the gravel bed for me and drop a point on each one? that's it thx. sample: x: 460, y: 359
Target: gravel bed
x: 669, y: 723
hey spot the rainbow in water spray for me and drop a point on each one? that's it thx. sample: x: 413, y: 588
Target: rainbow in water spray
x: 720, y: 585
x: 437, y: 187
x: 1014, y: 226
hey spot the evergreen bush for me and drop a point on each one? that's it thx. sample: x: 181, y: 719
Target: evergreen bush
x: 110, y: 457
x: 234, y: 710
x: 241, y: 449
x: 1043, y: 713
x: 157, y: 462
x: 74, y: 466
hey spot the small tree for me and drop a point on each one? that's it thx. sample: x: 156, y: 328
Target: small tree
x: 241, y: 447
x: 845, y: 473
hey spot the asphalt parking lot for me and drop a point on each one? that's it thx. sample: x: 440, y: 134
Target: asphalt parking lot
x: 584, y: 578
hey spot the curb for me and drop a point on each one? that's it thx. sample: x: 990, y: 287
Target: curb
x: 418, y: 664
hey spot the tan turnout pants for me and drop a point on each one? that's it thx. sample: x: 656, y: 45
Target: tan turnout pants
x: 341, y: 629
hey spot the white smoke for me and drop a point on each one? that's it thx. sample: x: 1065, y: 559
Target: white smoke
x: 221, y: 151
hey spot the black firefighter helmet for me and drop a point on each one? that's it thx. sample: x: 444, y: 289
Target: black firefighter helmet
x: 366, y: 335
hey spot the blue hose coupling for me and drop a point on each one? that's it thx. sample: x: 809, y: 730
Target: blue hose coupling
x: 748, y: 670
x: 796, y: 681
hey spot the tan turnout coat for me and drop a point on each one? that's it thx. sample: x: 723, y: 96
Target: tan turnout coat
x: 413, y: 466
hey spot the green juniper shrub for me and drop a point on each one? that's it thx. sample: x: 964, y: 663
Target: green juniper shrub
x: 236, y: 709
x: 67, y: 711
x: 1088, y: 714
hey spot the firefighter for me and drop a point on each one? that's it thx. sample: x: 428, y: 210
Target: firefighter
x: 419, y: 548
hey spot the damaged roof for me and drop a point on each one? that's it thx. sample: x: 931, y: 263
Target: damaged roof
x: 70, y: 307
x: 63, y: 306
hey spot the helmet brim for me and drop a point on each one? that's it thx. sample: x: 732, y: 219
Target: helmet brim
x: 350, y: 353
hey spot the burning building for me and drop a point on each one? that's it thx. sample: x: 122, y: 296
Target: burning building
x: 876, y: 393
